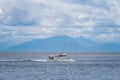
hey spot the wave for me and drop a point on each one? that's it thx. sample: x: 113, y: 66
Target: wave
x: 45, y: 60
x: 35, y: 60
x: 39, y: 60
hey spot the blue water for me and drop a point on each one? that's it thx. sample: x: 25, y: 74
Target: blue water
x: 86, y: 67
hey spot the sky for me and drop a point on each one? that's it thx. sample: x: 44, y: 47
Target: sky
x: 24, y: 20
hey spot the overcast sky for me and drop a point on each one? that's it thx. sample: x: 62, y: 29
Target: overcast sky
x: 22, y: 20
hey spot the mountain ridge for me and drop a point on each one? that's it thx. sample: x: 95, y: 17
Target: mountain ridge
x: 65, y: 43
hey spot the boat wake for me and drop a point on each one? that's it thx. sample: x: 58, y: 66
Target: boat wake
x: 45, y: 60
x: 39, y: 60
x: 36, y: 60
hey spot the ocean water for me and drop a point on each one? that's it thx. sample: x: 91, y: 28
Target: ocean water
x: 85, y: 67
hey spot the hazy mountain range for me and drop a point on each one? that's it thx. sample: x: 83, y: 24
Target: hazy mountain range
x: 65, y: 43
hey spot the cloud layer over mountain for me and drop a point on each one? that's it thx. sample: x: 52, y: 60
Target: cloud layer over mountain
x: 22, y: 20
x: 55, y: 44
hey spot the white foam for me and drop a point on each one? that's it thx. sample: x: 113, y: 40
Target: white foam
x: 61, y: 60
x: 40, y: 60
x: 72, y: 60
x: 45, y: 60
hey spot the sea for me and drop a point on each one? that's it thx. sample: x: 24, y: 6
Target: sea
x: 83, y: 66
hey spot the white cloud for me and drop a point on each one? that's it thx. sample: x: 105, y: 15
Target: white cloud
x: 114, y: 12
x: 43, y: 18
x: 0, y: 12
x: 108, y: 37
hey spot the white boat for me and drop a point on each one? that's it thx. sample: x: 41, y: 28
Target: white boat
x: 59, y: 57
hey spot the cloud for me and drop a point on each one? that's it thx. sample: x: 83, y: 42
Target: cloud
x: 32, y: 19
x: 108, y: 37
x: 0, y: 12
x: 17, y: 17
x: 114, y: 12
